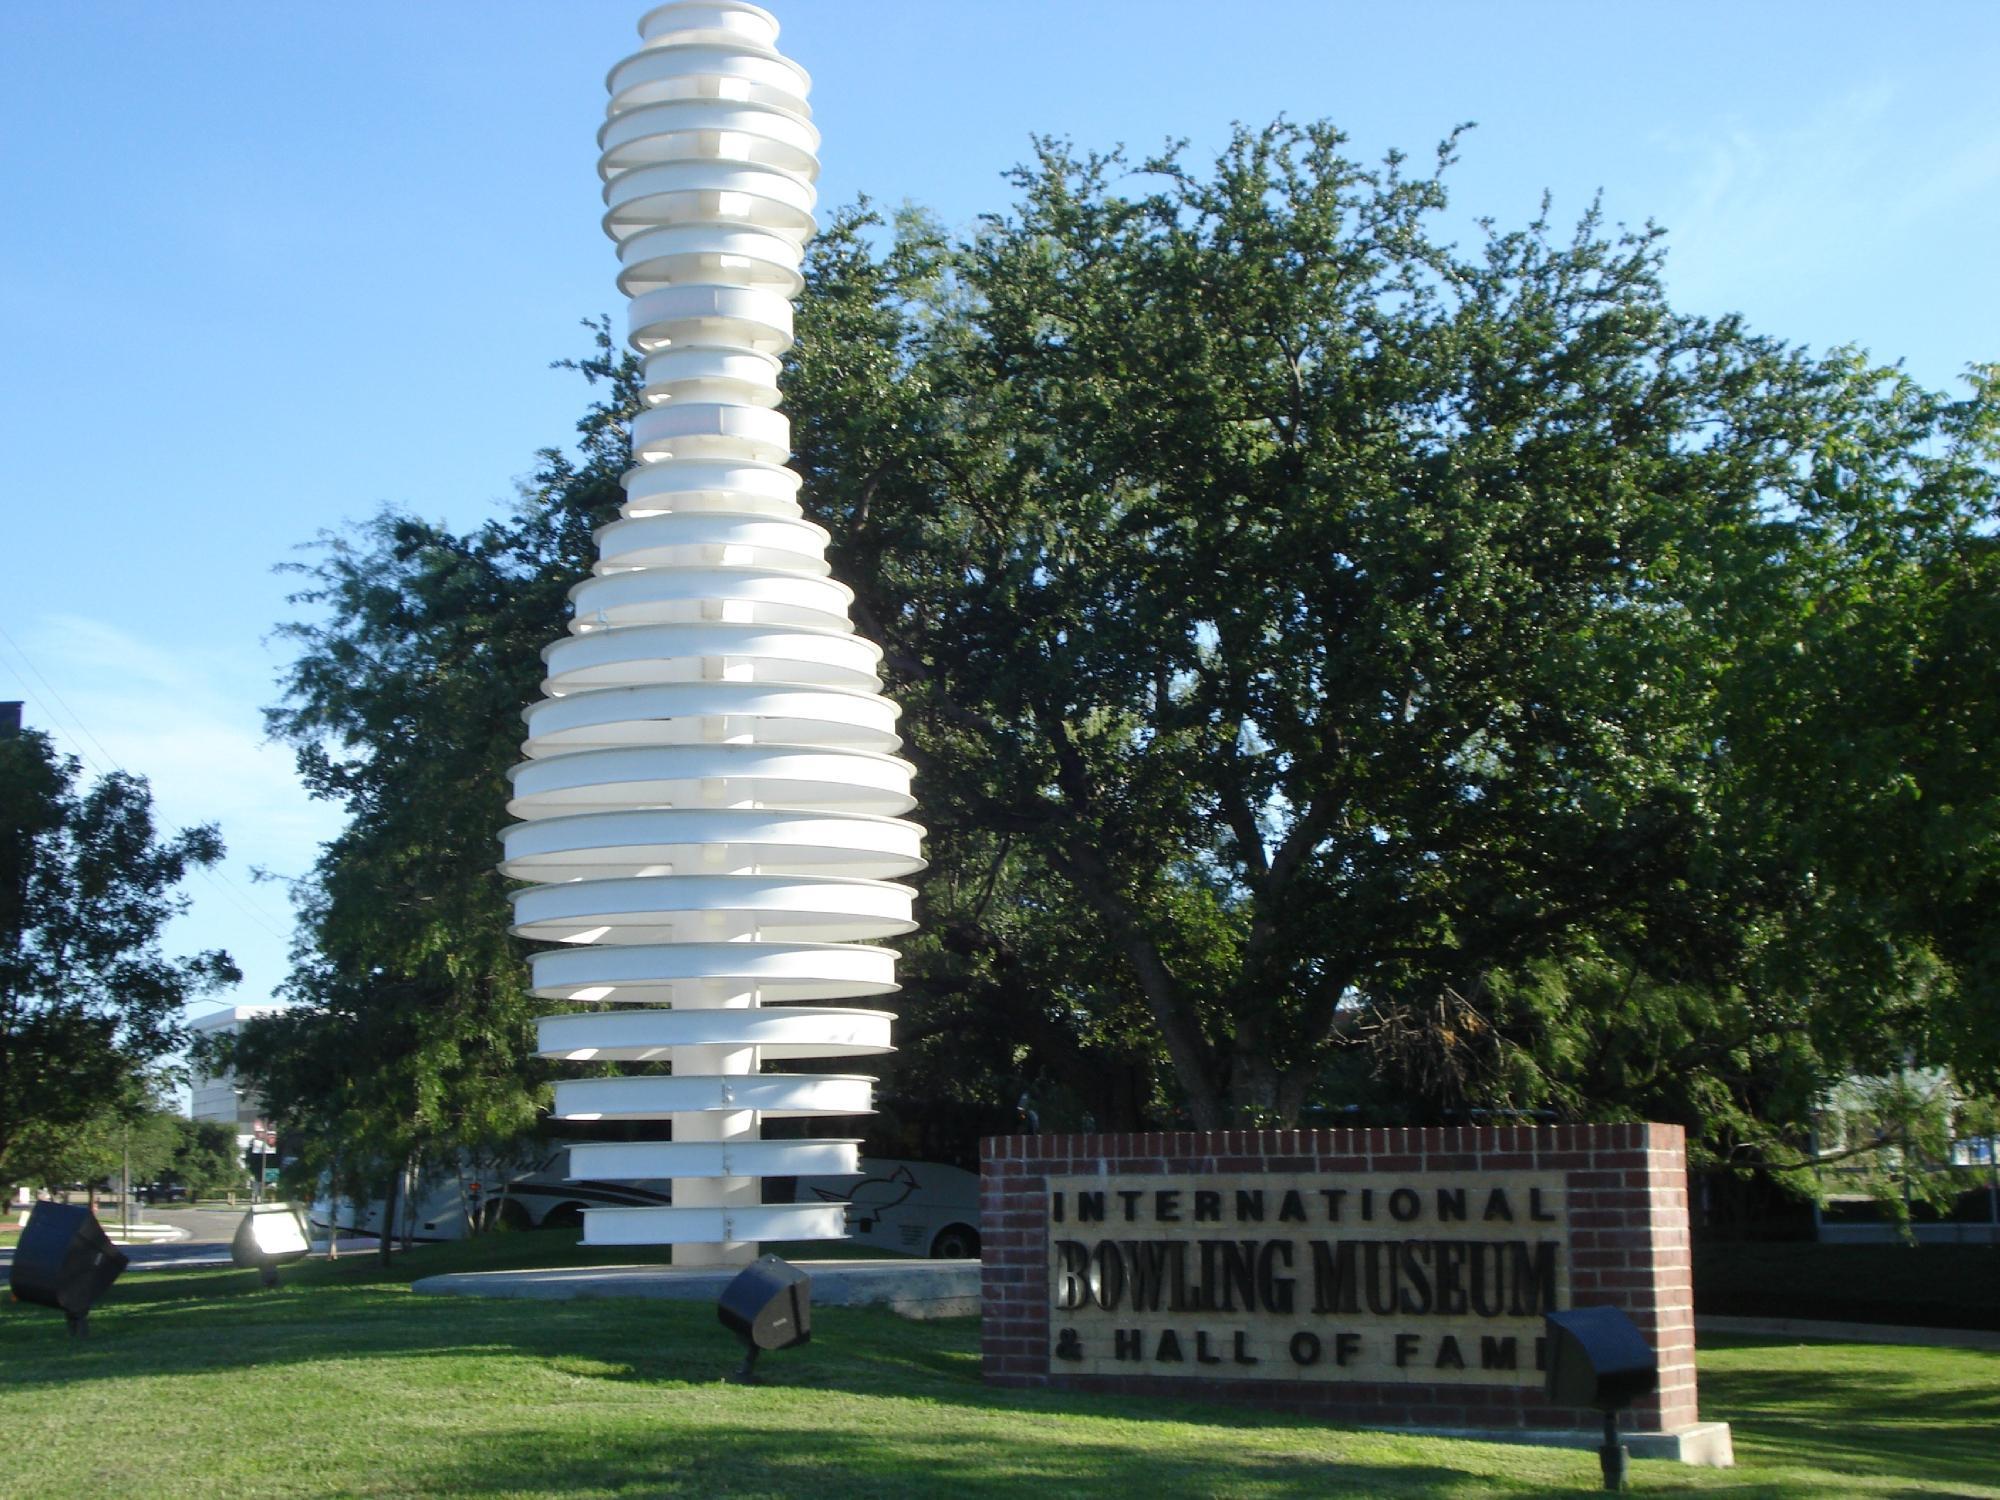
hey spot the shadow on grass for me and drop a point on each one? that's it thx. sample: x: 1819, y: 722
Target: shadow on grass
x: 211, y: 1321
x: 806, y: 1433
x: 724, y: 1459
x: 864, y: 1352
x: 1926, y: 1418
x: 1888, y: 1417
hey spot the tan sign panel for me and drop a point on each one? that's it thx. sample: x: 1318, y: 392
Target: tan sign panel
x: 1436, y: 1277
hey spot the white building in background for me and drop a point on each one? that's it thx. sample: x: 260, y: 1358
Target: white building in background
x: 218, y: 1096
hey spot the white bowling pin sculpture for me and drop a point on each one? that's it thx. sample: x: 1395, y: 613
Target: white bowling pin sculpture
x: 711, y: 801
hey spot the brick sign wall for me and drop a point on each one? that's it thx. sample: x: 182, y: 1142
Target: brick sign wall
x: 1386, y: 1276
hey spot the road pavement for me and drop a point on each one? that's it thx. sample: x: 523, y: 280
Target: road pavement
x: 209, y: 1231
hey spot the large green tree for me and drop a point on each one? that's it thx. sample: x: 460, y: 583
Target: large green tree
x: 134, y: 1128
x: 411, y: 1037
x: 205, y: 1160
x: 1344, y: 669
x: 1395, y: 663
x: 87, y: 997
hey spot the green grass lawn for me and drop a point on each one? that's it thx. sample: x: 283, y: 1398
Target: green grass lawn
x: 344, y: 1383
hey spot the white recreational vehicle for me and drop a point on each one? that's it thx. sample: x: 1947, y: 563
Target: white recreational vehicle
x: 909, y: 1207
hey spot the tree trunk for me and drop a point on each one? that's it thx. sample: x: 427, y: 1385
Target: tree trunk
x: 409, y: 1225
x: 391, y: 1202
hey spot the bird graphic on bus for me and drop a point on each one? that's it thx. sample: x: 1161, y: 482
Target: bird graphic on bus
x: 872, y: 1197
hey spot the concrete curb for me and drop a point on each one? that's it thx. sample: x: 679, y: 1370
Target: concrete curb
x: 912, y: 1288
x: 146, y: 1234
x: 1703, y: 1445
x: 1851, y: 1333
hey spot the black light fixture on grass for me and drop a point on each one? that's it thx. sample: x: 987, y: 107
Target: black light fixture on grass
x: 767, y: 1306
x: 271, y: 1235
x: 1598, y: 1357
x: 65, y: 1260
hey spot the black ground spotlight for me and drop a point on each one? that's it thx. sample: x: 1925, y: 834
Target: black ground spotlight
x: 65, y: 1260
x: 1598, y: 1357
x: 271, y: 1235
x: 768, y: 1306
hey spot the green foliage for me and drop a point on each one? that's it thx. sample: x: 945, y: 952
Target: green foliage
x: 132, y: 1126
x: 87, y: 998
x: 1360, y: 673
x: 1350, y: 675
x: 1897, y: 1285
x: 205, y: 1160
x: 412, y: 1032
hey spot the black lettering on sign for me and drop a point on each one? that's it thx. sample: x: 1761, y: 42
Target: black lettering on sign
x: 1451, y: 1205
x: 1202, y: 1355
x: 1207, y: 1205
x: 1346, y: 1346
x: 1497, y: 1354
x: 1305, y: 1348
x: 1379, y: 1277
x: 1167, y: 1206
x: 1405, y: 1205
x: 1127, y: 1343
x: 1534, y: 1279
x: 1068, y: 1346
x: 1243, y: 1356
x: 1236, y: 1273
x: 1148, y: 1264
x: 1497, y: 1206
x: 1055, y: 1208
x: 1333, y: 1197
x: 1291, y: 1208
x: 1107, y: 1275
x: 1169, y: 1351
x: 1416, y: 1293
x: 1448, y: 1357
x: 1336, y: 1288
x: 1202, y: 1299
x: 1250, y: 1204
x: 1368, y: 1203
x: 1535, y: 1208
x: 1483, y: 1258
x: 1451, y: 1289
x: 1274, y: 1292
x: 1406, y: 1349
x: 1130, y: 1198
x: 1089, y: 1208
x: 1072, y: 1274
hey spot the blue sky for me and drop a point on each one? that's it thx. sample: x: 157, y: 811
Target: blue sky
x: 264, y: 267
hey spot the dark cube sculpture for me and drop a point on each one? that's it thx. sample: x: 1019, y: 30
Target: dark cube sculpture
x: 767, y: 1306
x: 1598, y: 1357
x: 65, y: 1260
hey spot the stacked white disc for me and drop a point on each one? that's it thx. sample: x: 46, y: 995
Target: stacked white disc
x: 711, y: 797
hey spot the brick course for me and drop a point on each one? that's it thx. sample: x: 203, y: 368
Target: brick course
x: 1628, y: 1246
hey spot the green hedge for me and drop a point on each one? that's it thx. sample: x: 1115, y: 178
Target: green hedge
x: 1920, y: 1286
